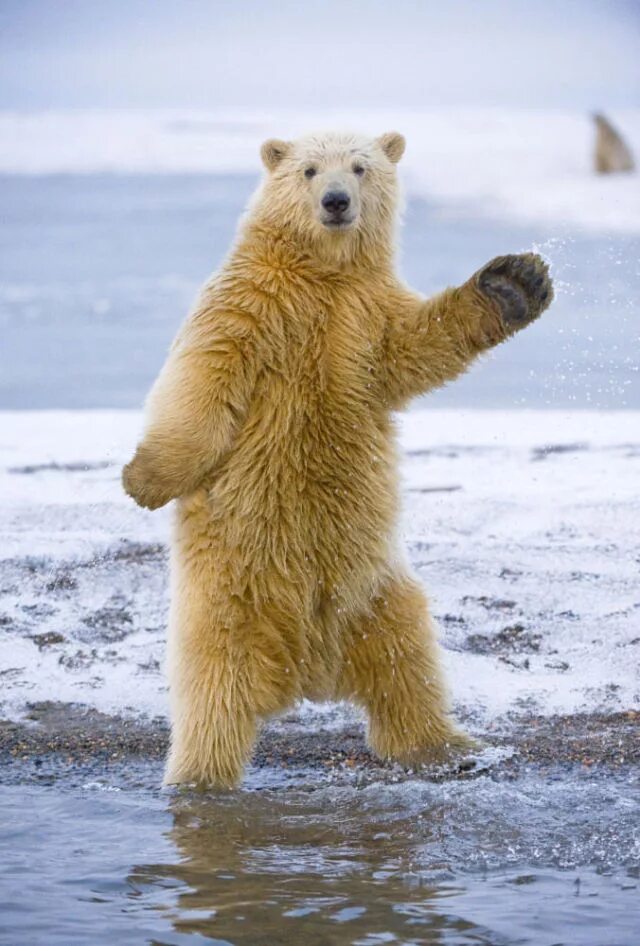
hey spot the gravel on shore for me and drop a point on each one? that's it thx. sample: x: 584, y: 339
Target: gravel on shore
x: 67, y: 735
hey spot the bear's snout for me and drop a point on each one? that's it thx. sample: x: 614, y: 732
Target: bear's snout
x: 336, y: 203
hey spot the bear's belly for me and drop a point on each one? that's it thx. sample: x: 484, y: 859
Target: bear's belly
x: 311, y: 494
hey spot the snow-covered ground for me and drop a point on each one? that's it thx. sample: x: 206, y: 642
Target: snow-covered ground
x: 523, y: 525
x: 533, y: 166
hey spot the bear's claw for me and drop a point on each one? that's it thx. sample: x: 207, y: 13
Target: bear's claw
x: 520, y: 285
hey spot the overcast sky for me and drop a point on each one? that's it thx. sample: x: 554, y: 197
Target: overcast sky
x: 208, y: 54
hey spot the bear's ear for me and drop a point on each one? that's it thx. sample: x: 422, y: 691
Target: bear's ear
x: 393, y: 145
x: 273, y: 151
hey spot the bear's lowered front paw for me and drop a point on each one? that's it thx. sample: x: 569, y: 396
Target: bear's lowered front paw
x: 520, y: 285
x: 139, y: 482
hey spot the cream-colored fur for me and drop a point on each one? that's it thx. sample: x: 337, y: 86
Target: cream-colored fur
x: 271, y: 424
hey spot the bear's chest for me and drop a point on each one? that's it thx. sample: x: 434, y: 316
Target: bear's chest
x: 329, y: 352
x: 317, y: 442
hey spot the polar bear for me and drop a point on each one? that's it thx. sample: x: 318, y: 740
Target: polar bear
x: 271, y: 424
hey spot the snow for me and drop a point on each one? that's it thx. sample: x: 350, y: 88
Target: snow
x: 524, y: 527
x: 525, y: 165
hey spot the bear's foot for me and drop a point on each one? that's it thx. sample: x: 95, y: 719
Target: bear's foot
x: 214, y: 774
x: 519, y: 285
x: 210, y: 750
x: 441, y: 744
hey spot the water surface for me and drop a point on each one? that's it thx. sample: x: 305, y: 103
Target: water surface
x: 550, y: 858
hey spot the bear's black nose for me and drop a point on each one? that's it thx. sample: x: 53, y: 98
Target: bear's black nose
x: 336, y: 202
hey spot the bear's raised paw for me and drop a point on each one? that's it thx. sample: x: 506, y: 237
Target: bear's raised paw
x: 520, y: 285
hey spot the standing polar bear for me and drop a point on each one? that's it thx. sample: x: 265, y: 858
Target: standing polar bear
x: 271, y: 423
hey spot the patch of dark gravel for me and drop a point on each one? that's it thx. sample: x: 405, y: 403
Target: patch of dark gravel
x: 553, y: 449
x: 490, y: 604
x: 48, y: 639
x: 515, y: 639
x: 109, y: 624
x: 76, y: 467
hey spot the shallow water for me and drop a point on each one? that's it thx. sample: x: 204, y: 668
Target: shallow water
x: 97, y: 272
x: 550, y: 858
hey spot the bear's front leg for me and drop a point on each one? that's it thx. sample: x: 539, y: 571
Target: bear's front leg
x: 429, y: 343
x: 520, y: 288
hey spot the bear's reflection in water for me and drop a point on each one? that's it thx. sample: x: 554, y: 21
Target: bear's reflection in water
x: 258, y: 868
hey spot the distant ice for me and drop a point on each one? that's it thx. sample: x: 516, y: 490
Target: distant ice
x: 530, y: 166
x: 524, y: 527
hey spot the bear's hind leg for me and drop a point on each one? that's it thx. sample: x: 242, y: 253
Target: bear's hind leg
x: 392, y: 669
x: 224, y: 678
x: 213, y: 726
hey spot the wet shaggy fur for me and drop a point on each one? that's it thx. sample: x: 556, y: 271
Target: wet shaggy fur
x: 271, y: 424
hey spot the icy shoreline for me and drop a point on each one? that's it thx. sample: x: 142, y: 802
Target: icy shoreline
x: 522, y: 525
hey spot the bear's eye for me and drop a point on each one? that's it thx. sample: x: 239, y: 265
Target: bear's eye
x: 358, y: 170
x: 309, y: 173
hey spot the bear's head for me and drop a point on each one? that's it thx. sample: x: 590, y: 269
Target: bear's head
x: 337, y: 193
